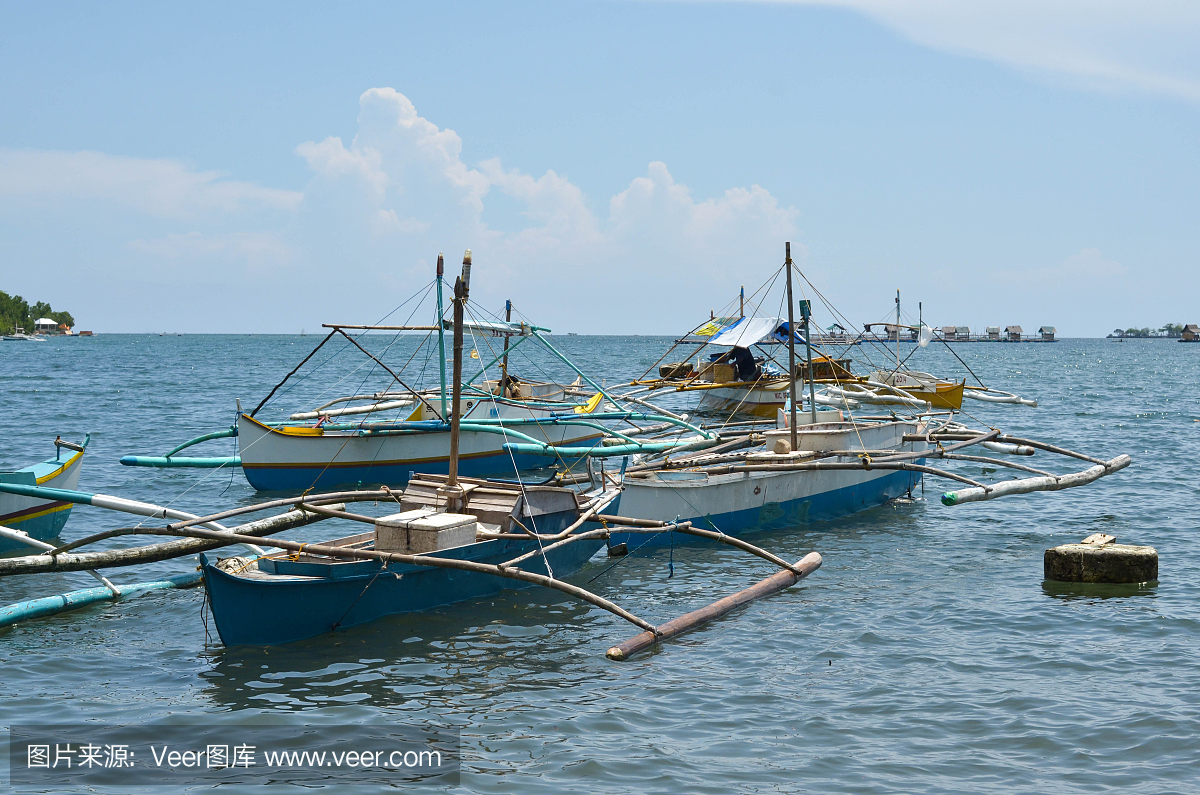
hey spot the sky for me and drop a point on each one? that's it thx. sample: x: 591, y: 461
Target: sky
x: 616, y: 167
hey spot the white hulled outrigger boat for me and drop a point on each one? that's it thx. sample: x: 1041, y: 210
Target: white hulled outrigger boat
x: 385, y: 436
x: 26, y: 513
x: 822, y: 463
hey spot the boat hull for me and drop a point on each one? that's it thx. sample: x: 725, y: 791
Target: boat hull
x: 755, y: 401
x: 738, y: 502
x: 275, y: 460
x: 943, y: 396
x: 41, y: 519
x: 273, y: 608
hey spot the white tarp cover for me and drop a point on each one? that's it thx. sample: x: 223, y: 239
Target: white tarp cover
x: 750, y: 330
x: 490, y: 327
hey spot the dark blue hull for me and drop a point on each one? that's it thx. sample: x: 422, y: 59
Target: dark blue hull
x: 261, y: 609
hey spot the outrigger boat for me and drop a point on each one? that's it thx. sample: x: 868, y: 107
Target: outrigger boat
x: 818, y: 464
x: 34, y: 517
x: 453, y: 540
x: 732, y: 381
x: 905, y: 386
x: 441, y: 547
x: 327, y: 446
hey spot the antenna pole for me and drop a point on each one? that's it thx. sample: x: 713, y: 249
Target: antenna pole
x: 787, y: 263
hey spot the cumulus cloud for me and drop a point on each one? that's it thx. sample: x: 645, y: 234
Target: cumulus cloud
x: 401, y: 190
x: 1107, y: 44
x: 377, y: 209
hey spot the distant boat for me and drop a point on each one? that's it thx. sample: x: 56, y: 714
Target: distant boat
x: 41, y: 519
x: 19, y: 335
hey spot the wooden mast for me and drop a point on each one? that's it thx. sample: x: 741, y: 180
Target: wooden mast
x: 897, y: 334
x: 461, y: 290
x: 791, y: 344
x: 441, y: 332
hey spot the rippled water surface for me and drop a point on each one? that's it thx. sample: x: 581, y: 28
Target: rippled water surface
x: 926, y: 655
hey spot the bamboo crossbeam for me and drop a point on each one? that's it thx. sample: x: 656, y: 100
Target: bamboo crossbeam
x: 333, y: 513
x: 1027, y: 485
x: 312, y: 499
x: 997, y: 462
x: 82, y: 561
x: 1049, y: 448
x: 338, y: 326
x: 776, y: 582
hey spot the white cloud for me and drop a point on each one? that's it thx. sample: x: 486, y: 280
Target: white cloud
x: 159, y: 188
x: 1108, y: 44
x: 372, y: 217
x: 401, y: 191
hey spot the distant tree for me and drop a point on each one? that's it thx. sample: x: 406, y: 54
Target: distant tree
x: 1118, y: 332
x: 16, y: 311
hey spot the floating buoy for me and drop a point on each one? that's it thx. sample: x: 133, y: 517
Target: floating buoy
x: 1098, y: 559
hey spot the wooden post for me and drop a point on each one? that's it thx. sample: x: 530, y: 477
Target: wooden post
x: 461, y: 290
x: 791, y: 345
x: 677, y: 626
x: 504, y: 364
x: 806, y: 313
x: 897, y: 333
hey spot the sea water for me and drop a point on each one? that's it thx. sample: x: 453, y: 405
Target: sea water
x: 926, y: 655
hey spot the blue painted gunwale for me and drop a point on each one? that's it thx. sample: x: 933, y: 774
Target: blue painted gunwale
x: 821, y: 507
x: 273, y: 610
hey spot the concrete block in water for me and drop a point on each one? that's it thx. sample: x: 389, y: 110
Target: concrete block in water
x: 1103, y: 562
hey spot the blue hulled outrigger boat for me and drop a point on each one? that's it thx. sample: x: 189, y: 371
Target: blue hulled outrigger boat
x: 454, y: 539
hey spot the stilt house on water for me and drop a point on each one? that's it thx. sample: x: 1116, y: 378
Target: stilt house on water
x: 1047, y: 333
x: 1013, y: 333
